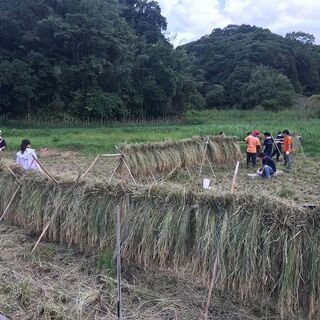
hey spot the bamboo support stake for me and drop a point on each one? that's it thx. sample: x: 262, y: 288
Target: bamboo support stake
x: 213, y: 280
x: 41, y: 236
x: 204, y: 159
x: 91, y: 165
x: 118, y: 253
x: 235, y: 177
x: 44, y: 170
x: 10, y: 202
x: 114, y: 171
x: 129, y: 171
x: 10, y: 170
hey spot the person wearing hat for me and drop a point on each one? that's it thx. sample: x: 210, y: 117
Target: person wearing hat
x: 2, y: 142
x: 253, y: 146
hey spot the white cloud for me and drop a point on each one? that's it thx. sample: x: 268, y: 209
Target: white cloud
x: 190, y: 19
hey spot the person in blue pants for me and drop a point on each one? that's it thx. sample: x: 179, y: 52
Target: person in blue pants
x: 268, y: 168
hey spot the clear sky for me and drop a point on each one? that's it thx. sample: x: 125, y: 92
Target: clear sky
x: 190, y: 19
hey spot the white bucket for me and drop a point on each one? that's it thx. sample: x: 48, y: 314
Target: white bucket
x: 206, y: 183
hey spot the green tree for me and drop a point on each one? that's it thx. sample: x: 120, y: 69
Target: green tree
x: 269, y: 88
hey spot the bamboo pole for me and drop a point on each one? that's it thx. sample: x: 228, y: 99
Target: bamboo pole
x: 91, y: 165
x: 213, y: 280
x: 10, y: 170
x: 114, y: 171
x: 281, y: 156
x: 44, y: 170
x: 127, y: 167
x: 118, y: 253
x: 41, y: 236
x: 10, y: 202
x: 235, y: 177
x: 204, y: 153
x: 111, y: 155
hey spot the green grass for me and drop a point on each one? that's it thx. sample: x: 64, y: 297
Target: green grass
x: 232, y: 122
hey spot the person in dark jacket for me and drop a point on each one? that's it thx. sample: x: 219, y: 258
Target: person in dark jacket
x: 268, y: 168
x: 268, y: 144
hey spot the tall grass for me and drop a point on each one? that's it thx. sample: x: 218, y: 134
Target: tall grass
x: 268, y: 250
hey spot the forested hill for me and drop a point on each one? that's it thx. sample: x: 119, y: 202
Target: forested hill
x: 246, y: 66
x: 90, y: 58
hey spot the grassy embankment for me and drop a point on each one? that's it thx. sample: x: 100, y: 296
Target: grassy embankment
x: 92, y: 140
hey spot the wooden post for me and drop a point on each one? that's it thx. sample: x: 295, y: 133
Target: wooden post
x: 235, y: 177
x: 9, y: 204
x: 127, y: 167
x: 118, y: 253
x: 115, y: 170
x: 213, y: 280
x: 44, y: 170
x: 204, y: 154
x: 91, y: 165
x: 41, y: 236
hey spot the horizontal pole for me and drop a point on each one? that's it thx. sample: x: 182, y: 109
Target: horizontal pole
x: 112, y: 155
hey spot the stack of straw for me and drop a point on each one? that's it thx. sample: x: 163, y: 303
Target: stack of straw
x: 265, y: 249
x: 162, y: 157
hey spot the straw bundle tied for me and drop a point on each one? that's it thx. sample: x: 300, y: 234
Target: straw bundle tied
x: 162, y: 157
x: 267, y: 249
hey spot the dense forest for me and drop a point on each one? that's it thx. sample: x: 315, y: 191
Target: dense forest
x: 90, y: 58
x: 111, y: 59
x: 245, y: 66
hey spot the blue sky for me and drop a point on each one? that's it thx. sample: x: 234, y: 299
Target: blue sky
x: 190, y: 19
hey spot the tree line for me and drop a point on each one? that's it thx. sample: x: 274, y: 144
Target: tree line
x: 111, y: 59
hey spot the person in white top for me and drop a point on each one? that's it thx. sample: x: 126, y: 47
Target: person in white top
x: 26, y: 156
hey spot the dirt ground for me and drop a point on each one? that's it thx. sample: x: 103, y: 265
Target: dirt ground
x: 59, y: 283
x: 301, y: 185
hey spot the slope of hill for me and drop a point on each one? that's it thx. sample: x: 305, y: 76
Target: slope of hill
x: 88, y: 58
x: 247, y: 66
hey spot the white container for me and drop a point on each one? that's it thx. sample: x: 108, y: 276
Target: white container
x: 206, y: 183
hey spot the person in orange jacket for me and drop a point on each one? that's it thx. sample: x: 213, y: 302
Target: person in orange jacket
x: 287, y: 149
x: 253, y: 146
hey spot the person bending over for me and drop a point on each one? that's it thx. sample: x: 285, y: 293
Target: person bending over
x: 268, y: 168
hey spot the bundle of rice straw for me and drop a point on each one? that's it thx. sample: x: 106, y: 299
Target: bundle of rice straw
x: 265, y: 249
x: 162, y: 157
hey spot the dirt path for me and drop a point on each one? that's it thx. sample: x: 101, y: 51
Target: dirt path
x: 59, y: 283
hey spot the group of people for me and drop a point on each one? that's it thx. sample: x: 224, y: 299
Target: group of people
x: 280, y: 146
x: 26, y: 157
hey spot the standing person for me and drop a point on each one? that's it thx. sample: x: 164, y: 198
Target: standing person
x: 2, y: 142
x: 287, y: 149
x: 268, y: 168
x: 278, y: 146
x: 253, y: 145
x: 268, y: 144
x: 26, y: 155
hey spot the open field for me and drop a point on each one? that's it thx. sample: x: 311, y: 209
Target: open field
x: 57, y: 283
x: 95, y: 140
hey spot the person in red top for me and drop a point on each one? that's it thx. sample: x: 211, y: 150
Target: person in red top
x: 287, y: 149
x: 253, y: 146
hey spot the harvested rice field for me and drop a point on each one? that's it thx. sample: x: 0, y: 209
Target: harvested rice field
x: 260, y: 245
x: 60, y: 283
